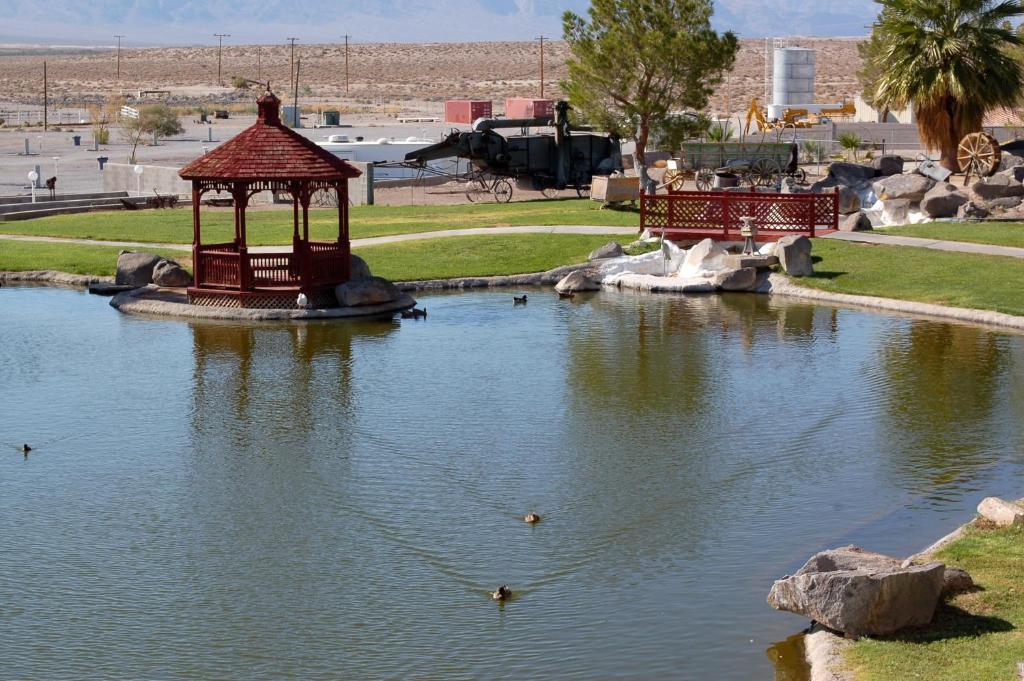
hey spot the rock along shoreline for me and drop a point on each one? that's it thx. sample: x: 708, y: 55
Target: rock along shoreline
x: 777, y: 285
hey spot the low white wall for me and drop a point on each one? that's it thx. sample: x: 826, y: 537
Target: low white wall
x: 121, y: 177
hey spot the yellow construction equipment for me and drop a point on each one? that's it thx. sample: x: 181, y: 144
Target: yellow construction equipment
x: 791, y: 118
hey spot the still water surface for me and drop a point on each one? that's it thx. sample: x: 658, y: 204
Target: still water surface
x: 212, y: 500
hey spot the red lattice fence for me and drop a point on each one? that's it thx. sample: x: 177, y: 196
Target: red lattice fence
x: 698, y: 215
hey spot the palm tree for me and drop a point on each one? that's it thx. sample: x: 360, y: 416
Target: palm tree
x: 949, y: 59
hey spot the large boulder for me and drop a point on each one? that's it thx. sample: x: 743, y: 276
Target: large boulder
x: 909, y: 186
x: 887, y: 165
x: 956, y: 580
x: 612, y: 249
x: 577, y: 281
x: 849, y: 200
x: 359, y: 269
x: 855, y: 222
x: 1007, y: 203
x: 972, y: 211
x: 997, y: 187
x: 860, y: 593
x: 942, y: 201
x: 369, y: 291
x: 794, y: 253
x: 170, y: 274
x: 135, y: 268
x: 1001, y: 512
x: 1008, y: 160
x: 742, y: 279
x: 850, y: 174
x: 706, y: 256
x: 1015, y: 173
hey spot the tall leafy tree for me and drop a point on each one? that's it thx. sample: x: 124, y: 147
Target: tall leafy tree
x: 634, y: 61
x: 950, y: 60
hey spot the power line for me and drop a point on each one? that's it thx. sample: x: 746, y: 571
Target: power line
x: 220, y: 46
x: 291, y: 64
x: 542, y: 39
x: 119, y: 55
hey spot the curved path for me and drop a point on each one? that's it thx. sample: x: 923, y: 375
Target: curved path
x: 861, y: 237
x: 368, y: 241
x: 934, y: 244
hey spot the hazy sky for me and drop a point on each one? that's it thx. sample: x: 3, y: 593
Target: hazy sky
x: 188, y: 22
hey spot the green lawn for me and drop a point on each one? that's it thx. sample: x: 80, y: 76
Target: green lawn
x: 958, y: 279
x: 266, y: 227
x: 478, y: 256
x: 20, y: 256
x: 998, y: 233
x: 977, y: 636
x: 419, y: 259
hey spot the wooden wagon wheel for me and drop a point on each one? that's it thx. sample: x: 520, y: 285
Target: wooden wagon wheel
x: 762, y: 172
x: 674, y: 179
x: 979, y: 155
x: 704, y: 179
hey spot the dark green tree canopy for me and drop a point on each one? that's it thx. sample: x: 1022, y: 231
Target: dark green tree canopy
x: 634, y: 61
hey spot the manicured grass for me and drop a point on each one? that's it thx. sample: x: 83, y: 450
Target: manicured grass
x: 977, y: 636
x: 923, y: 275
x: 19, y: 256
x: 998, y: 233
x: 478, y: 256
x: 419, y: 259
x: 266, y: 227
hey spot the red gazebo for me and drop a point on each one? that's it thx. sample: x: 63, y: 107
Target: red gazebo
x: 268, y: 156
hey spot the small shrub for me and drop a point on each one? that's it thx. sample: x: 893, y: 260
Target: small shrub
x: 850, y: 142
x: 239, y: 83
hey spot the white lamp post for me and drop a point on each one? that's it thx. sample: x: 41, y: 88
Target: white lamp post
x: 138, y: 179
x: 32, y: 177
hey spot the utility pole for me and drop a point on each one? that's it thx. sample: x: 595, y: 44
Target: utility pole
x: 295, y: 101
x: 46, y: 100
x: 291, y: 64
x: 119, y: 55
x: 346, y: 37
x: 542, y: 39
x: 259, y: 63
x: 220, y: 46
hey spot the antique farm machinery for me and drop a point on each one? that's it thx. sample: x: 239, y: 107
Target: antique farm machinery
x: 757, y: 164
x: 569, y: 157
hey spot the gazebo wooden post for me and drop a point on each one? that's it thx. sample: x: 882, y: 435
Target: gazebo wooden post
x: 305, y: 269
x: 238, y: 193
x: 197, y: 260
x: 343, y: 241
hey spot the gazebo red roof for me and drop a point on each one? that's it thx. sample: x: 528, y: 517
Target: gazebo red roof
x: 269, y: 150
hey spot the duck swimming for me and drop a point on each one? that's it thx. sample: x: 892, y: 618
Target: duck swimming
x: 532, y: 518
x: 26, y: 449
x: 568, y: 295
x: 502, y: 593
x: 519, y: 300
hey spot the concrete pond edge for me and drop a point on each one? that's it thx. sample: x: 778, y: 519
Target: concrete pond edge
x: 55, y: 278
x: 153, y: 300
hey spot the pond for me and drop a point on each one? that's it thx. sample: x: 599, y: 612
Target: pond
x: 328, y: 500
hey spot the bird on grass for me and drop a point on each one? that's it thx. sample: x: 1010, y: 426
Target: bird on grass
x: 519, y: 300
x: 503, y: 593
x: 532, y: 518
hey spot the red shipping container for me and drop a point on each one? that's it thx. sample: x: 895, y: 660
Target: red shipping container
x: 524, y: 107
x: 466, y: 110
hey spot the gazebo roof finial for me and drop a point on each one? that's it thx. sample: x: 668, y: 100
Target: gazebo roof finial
x: 269, y: 107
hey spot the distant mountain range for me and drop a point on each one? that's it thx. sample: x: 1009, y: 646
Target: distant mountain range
x: 188, y: 22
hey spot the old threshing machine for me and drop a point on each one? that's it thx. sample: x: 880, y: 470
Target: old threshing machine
x: 569, y: 157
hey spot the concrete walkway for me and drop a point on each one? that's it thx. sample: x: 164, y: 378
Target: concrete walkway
x: 934, y: 244
x: 356, y: 243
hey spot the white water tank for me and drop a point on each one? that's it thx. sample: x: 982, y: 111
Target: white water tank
x: 792, y: 79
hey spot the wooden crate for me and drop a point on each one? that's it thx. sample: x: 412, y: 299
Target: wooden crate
x: 609, y: 189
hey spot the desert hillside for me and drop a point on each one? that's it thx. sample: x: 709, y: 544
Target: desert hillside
x: 406, y: 76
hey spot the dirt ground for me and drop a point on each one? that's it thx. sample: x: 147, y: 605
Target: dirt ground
x: 383, y: 78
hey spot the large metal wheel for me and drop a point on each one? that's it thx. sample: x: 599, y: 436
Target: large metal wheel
x: 674, y: 180
x: 704, y: 179
x: 763, y: 172
x: 978, y: 154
